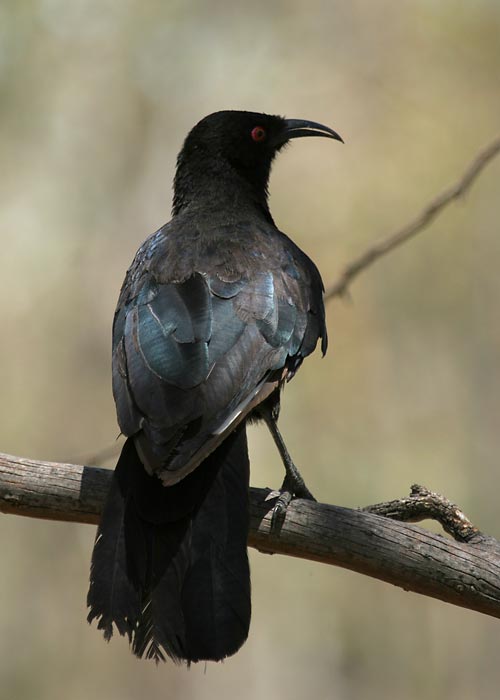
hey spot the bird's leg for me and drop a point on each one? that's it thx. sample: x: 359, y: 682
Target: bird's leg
x: 293, y: 480
x: 293, y: 483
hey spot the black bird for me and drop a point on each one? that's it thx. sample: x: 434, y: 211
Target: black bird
x: 217, y: 311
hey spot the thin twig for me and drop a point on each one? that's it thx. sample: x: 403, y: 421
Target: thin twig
x: 426, y: 216
x: 92, y: 459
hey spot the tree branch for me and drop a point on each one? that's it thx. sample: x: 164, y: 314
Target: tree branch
x: 426, y: 216
x: 465, y: 573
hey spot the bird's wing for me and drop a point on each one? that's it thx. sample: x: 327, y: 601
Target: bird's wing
x: 192, y: 358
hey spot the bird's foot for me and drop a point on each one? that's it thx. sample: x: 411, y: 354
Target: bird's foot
x: 292, y: 487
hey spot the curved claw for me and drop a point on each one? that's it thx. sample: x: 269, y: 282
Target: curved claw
x: 290, y: 489
x: 279, y: 511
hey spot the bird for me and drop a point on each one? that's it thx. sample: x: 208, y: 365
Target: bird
x: 216, y: 313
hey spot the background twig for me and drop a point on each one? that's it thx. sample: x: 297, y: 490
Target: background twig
x: 426, y: 216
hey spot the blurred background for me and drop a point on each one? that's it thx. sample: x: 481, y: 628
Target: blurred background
x: 95, y: 100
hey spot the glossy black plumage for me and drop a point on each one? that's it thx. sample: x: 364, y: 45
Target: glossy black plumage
x: 218, y: 309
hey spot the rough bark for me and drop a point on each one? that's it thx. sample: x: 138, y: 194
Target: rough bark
x: 464, y: 571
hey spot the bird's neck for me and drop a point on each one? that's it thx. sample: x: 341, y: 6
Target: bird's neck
x: 218, y: 186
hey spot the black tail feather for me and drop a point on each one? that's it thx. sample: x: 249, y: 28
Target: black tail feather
x: 113, y: 595
x: 170, y: 565
x: 216, y: 591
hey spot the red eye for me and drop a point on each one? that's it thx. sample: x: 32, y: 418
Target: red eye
x: 258, y: 133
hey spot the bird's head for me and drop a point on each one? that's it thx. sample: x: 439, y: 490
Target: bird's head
x: 239, y: 147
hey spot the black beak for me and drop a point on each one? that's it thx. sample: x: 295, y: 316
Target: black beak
x: 295, y: 128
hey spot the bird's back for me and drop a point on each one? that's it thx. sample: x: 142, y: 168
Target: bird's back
x: 208, y: 312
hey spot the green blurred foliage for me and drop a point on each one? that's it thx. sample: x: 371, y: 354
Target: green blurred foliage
x: 95, y: 99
